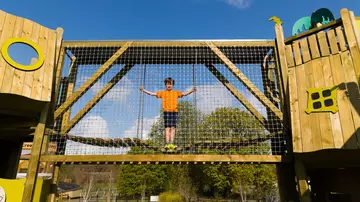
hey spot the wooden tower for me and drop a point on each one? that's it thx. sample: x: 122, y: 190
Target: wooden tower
x: 322, y: 71
x: 27, y: 92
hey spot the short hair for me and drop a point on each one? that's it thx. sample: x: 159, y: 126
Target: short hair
x: 169, y: 80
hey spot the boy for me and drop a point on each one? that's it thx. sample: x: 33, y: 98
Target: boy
x: 170, y: 107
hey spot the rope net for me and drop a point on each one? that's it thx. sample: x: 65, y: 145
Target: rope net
x: 221, y: 117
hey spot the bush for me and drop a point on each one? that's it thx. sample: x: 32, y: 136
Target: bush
x: 170, y: 197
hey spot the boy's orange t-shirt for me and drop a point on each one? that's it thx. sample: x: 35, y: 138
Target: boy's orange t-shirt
x: 169, y: 100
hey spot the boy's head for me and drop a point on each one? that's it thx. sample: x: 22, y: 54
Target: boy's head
x: 169, y: 83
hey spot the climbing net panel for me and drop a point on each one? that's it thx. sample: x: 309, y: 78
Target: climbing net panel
x: 234, y: 110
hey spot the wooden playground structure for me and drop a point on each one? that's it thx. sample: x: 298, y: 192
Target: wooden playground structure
x: 317, y: 113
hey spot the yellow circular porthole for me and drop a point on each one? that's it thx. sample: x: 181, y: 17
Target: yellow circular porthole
x: 8, y: 59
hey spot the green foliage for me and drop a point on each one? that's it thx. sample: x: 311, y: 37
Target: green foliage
x: 170, y: 197
x: 141, y: 179
x: 230, y: 123
x: 190, y: 181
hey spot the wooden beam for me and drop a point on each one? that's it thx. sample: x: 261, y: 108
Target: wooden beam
x: 253, y: 89
x: 280, y: 46
x: 96, y: 98
x: 173, y: 43
x: 55, y: 179
x: 164, y: 158
x: 70, y: 86
x: 35, y: 156
x: 91, y: 81
x: 59, y: 69
x: 59, y: 61
x: 237, y: 94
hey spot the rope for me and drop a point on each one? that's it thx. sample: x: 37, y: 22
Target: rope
x: 143, y: 104
x: 140, y: 97
x: 194, y: 85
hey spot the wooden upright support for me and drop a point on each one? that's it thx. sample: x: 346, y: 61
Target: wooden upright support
x: 353, y: 38
x: 286, y: 172
x: 35, y: 156
x: 73, y: 69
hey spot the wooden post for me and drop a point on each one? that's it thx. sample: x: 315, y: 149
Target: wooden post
x: 73, y: 70
x: 35, y: 156
x: 286, y: 173
x: 301, y: 175
x: 67, y: 91
x: 59, y: 69
x: 352, y: 37
x: 55, y: 178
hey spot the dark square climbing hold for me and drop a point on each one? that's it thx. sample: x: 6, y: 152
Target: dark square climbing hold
x: 315, y: 96
x: 326, y: 93
x: 317, y: 105
x: 328, y: 102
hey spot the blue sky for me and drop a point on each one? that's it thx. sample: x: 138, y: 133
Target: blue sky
x: 161, y: 19
x: 169, y: 19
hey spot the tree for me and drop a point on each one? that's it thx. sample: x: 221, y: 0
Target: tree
x: 230, y: 123
x: 88, y: 176
x: 181, y: 181
x: 141, y: 179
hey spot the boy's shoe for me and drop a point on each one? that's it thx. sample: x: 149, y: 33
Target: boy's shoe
x: 172, y: 146
x: 167, y: 146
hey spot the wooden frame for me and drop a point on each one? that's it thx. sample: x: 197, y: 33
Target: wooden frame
x: 91, y: 81
x: 164, y: 158
x: 68, y: 126
x: 252, y: 88
x: 237, y: 94
x: 183, y: 43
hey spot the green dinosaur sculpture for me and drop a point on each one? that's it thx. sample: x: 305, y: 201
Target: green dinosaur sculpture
x: 321, y: 16
x: 301, y: 25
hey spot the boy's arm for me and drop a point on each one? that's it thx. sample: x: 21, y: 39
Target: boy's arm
x: 189, y: 92
x: 147, y: 92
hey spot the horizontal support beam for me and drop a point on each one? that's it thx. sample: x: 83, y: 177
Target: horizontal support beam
x: 170, y: 43
x: 163, y: 158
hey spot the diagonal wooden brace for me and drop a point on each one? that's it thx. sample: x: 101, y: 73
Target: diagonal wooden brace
x: 237, y: 94
x: 242, y: 78
x: 91, y: 81
x: 97, y: 98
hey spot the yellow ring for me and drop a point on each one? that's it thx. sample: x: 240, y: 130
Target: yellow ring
x: 8, y: 59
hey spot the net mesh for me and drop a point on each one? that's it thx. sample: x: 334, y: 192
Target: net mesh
x: 213, y: 119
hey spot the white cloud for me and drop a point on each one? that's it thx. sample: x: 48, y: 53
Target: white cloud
x: 95, y: 127
x: 146, y: 128
x: 211, y: 97
x: 255, y: 103
x: 118, y: 93
x: 241, y: 4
